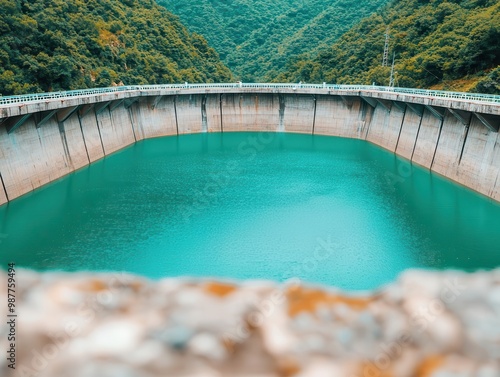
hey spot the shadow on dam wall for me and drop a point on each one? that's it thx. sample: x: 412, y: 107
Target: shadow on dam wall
x: 42, y: 146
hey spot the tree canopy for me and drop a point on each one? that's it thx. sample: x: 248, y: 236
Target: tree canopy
x: 256, y: 38
x: 48, y: 45
x: 444, y: 44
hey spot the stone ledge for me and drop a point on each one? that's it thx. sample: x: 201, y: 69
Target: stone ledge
x: 425, y: 324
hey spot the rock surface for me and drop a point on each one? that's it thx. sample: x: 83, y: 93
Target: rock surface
x: 425, y: 324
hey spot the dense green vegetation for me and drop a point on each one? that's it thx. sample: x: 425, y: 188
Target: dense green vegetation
x: 256, y: 38
x: 452, y: 45
x: 50, y: 45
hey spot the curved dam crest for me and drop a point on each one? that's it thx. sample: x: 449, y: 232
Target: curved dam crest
x: 44, y: 139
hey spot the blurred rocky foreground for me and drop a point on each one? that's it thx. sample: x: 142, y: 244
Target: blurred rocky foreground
x: 82, y: 325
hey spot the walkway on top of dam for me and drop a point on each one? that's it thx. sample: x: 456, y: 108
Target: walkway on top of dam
x: 476, y: 97
x: 419, y: 96
x: 15, y: 110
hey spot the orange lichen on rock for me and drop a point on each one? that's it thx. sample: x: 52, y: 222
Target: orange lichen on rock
x: 136, y: 286
x: 370, y: 369
x: 308, y: 300
x: 429, y: 365
x: 219, y: 289
x: 288, y: 367
x: 95, y: 285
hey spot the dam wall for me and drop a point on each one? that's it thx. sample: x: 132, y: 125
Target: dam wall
x: 43, y: 140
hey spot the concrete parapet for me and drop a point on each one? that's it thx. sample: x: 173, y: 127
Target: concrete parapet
x: 30, y: 107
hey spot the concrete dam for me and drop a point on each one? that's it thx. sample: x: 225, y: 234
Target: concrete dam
x: 46, y: 136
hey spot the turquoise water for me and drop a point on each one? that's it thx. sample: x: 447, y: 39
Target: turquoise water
x: 246, y: 205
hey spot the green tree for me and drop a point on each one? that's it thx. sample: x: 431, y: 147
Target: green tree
x: 437, y: 43
x: 65, y: 44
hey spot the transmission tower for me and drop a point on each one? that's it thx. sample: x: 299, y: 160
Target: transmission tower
x: 386, y: 48
x: 392, y: 78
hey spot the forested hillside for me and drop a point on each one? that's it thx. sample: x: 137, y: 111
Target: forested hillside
x: 48, y: 45
x: 256, y: 38
x: 452, y: 45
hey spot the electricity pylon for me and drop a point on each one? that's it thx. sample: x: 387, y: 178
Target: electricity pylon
x: 392, y: 78
x: 386, y: 48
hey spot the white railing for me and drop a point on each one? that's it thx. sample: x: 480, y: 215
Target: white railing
x: 36, y: 97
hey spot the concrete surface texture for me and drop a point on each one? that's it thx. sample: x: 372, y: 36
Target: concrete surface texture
x: 297, y: 113
x: 42, y: 141
x: 251, y: 112
x: 385, y: 126
x: 85, y: 325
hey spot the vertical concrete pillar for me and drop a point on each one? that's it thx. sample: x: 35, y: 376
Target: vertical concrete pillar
x: 408, y: 134
x: 75, y: 143
x: 385, y: 127
x: 3, y: 192
x: 190, y: 110
x: 91, y: 134
x: 298, y: 113
x: 427, y: 139
x: 214, y: 112
x: 480, y: 163
x: 133, y: 108
x: 156, y: 121
x: 250, y: 112
x: 450, y: 146
x: 32, y: 157
x: 115, y: 128
x: 337, y: 117
x: 495, y: 194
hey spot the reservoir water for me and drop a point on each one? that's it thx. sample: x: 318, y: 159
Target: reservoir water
x: 247, y: 205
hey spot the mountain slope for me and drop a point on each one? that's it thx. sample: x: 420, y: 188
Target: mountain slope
x: 444, y: 44
x: 68, y: 44
x: 257, y: 38
x: 227, y: 24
